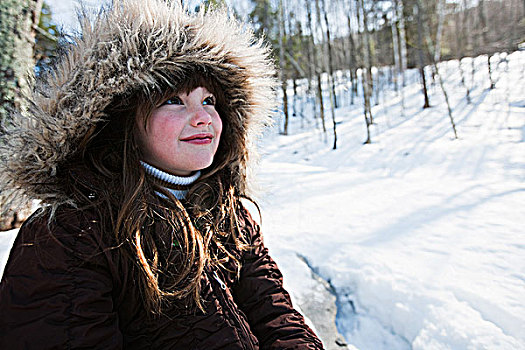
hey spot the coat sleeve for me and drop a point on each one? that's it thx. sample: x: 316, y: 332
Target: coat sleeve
x: 260, y: 294
x: 56, y: 291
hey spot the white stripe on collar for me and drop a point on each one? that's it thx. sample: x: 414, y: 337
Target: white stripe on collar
x: 169, y: 178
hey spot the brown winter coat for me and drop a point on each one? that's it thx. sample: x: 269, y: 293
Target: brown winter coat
x: 67, y: 291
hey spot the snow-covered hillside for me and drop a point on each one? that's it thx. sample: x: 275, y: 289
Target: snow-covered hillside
x: 420, y: 236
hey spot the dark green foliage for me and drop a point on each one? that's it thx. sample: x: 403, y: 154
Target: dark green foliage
x: 211, y: 4
x: 265, y: 20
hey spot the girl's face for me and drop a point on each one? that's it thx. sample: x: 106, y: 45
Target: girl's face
x: 182, y: 134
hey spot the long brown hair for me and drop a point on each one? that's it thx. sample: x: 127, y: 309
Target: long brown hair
x: 167, y: 241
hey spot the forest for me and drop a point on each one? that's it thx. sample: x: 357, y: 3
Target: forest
x: 321, y: 44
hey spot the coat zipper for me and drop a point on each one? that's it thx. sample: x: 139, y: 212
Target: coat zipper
x: 236, y: 317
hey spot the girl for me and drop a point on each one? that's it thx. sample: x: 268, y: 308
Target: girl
x: 137, y: 143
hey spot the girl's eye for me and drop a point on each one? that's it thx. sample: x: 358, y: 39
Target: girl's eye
x: 209, y: 101
x: 174, y: 101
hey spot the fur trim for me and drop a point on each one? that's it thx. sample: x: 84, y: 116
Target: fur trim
x: 137, y: 45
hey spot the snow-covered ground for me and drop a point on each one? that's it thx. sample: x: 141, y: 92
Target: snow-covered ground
x: 421, y: 236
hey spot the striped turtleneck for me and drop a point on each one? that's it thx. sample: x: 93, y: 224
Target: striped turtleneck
x: 177, y: 185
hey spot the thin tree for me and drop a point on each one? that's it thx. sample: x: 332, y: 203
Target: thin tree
x: 440, y: 9
x: 310, y: 46
x: 369, y: 59
x: 435, y: 66
x: 345, y: 59
x: 460, y: 33
x: 395, y: 47
x: 330, y: 53
x: 352, y: 64
x: 366, y: 77
x: 329, y: 67
x: 484, y: 41
x: 296, y: 34
x: 316, y: 66
x: 402, y: 42
x: 282, y: 71
x: 399, y: 48
x: 469, y: 42
x: 421, y: 60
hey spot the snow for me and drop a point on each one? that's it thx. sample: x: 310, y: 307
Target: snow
x: 418, y: 235
x: 7, y: 238
x: 64, y: 12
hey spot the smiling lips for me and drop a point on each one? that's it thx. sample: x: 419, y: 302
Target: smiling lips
x: 199, y: 139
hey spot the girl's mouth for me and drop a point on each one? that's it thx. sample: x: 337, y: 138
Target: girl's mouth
x: 199, y: 139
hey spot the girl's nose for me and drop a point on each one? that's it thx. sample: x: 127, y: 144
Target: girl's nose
x: 200, y: 117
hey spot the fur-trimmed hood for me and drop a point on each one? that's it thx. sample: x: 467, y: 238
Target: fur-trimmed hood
x: 137, y: 45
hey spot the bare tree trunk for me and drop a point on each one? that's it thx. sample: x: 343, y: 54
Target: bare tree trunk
x: 439, y: 32
x: 421, y: 61
x: 353, y: 69
x: 445, y: 94
x: 395, y: 48
x: 354, y: 49
x: 331, y: 54
x: 484, y: 30
x: 367, y: 109
x: 282, y: 71
x: 378, y: 86
x: 330, y: 74
x: 352, y: 56
x: 294, y: 103
x: 289, y: 52
x: 462, y: 72
x: 366, y: 76
x: 436, y: 70
x: 489, y: 67
x: 18, y: 20
x: 459, y: 51
x: 346, y: 60
x: 321, y: 101
x: 399, y: 60
x: 309, y: 74
x: 304, y: 100
x: 368, y: 62
x: 402, y: 42
x: 317, y: 71
x: 468, y: 26
x: 472, y: 72
x: 311, y: 64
